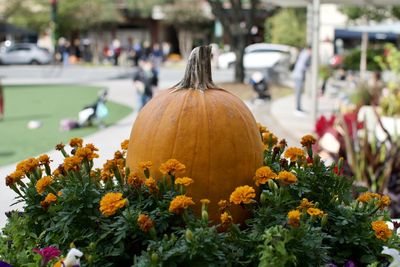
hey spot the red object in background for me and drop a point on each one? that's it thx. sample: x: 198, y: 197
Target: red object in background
x: 324, y: 125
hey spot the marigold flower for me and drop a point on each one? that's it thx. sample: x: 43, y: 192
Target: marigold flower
x: 226, y: 218
x: 382, y: 230
x: 243, y: 195
x: 315, y: 212
x: 308, y: 140
x: 145, y: 222
x: 86, y: 153
x: 294, y: 218
x: 185, y: 181
x: 124, y: 144
x: 368, y: 196
x: 14, y: 177
x: 180, y: 203
x: 263, y: 174
x: 118, y: 155
x: 261, y: 128
x: 50, y: 198
x: 28, y: 165
x: 60, y: 146
x: 59, y: 193
x: 223, y: 205
x: 44, y: 159
x: 172, y: 166
x: 42, y: 183
x: 76, y: 142
x: 72, y: 163
x: 144, y: 165
x: 269, y: 138
x: 384, y: 202
x: 205, y: 201
x: 294, y: 154
x: 134, y: 180
x: 111, y: 203
x: 287, y: 177
x: 305, y: 204
x: 151, y: 184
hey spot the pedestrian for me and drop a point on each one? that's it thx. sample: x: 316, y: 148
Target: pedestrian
x: 145, y: 80
x: 299, y: 75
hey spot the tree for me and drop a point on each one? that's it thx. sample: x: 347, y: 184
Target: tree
x: 288, y: 26
x: 237, y: 19
x: 189, y: 18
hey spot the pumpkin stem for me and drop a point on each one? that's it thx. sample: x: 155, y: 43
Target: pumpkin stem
x: 198, y: 70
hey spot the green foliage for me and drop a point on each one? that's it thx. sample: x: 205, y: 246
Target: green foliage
x: 288, y: 26
x: 351, y: 60
x: 329, y: 226
x: 368, y: 12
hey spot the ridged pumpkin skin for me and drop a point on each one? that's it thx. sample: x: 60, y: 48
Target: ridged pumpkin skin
x: 210, y: 131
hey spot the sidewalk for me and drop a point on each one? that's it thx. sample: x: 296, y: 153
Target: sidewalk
x: 277, y: 115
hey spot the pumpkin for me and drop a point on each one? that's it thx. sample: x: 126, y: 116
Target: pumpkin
x: 206, y: 128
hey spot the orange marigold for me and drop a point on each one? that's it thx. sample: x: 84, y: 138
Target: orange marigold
x: 152, y: 185
x: 44, y: 159
x: 134, y: 180
x: 382, y: 230
x: 86, y: 152
x: 308, y: 140
x: 180, y: 203
x: 243, y: 195
x: 368, y: 196
x: 172, y: 166
x: 294, y: 154
x: 269, y: 138
x: 294, y: 218
x: 60, y: 146
x: 28, y: 165
x: 384, y: 202
x: 261, y: 128
x: 263, y: 174
x: 14, y: 177
x: 42, y: 183
x: 50, y: 198
x: 124, y: 144
x: 111, y: 203
x: 315, y: 212
x: 223, y: 205
x: 185, y: 181
x: 145, y: 222
x: 76, y: 142
x: 305, y: 204
x: 226, y: 218
x: 145, y: 165
x: 205, y: 201
x: 72, y: 163
x: 287, y: 177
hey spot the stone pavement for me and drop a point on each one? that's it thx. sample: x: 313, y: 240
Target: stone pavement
x: 277, y: 115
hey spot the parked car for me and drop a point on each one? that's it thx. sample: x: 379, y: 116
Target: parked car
x: 24, y: 53
x: 261, y: 56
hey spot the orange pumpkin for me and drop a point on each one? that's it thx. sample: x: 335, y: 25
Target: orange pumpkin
x: 206, y: 128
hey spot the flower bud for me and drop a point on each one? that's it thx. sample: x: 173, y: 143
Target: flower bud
x: 204, y: 215
x: 324, y: 219
x: 263, y: 197
x: 189, y: 235
x: 154, y: 258
x: 272, y: 185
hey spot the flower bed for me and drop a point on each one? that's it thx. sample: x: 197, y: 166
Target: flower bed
x: 300, y: 212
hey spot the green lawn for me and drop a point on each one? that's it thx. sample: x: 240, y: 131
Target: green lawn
x: 48, y: 104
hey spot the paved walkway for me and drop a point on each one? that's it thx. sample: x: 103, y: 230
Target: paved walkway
x: 277, y: 115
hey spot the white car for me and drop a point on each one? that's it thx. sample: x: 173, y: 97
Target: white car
x: 24, y: 53
x: 260, y: 56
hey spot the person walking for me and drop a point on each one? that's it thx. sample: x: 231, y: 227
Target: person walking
x: 145, y: 80
x: 299, y: 75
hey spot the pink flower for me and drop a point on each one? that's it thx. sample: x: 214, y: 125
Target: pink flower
x: 47, y: 254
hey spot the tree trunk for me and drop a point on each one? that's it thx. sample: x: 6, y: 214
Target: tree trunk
x: 239, y: 52
x: 185, y: 38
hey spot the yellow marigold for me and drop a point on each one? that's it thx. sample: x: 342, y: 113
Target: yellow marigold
x: 76, y: 142
x: 205, y: 201
x: 381, y: 229
x: 287, y: 177
x: 308, y: 140
x: 60, y: 146
x: 28, y: 165
x: 50, y: 198
x: 172, y: 166
x: 42, y: 183
x: 263, y: 174
x: 226, y: 218
x: 384, y: 202
x: 261, y: 128
x: 59, y: 263
x: 145, y: 222
x: 152, y: 185
x: 59, y: 193
x: 14, y: 177
x: 368, y: 196
x: 180, y: 203
x: 223, y: 205
x: 124, y: 144
x: 315, y: 212
x: 269, y: 138
x: 44, y: 159
x: 86, y: 153
x: 243, y: 195
x: 185, y: 181
x: 305, y: 204
x: 111, y: 203
x: 134, y: 180
x: 294, y: 218
x: 294, y: 154
x: 144, y: 165
x: 72, y: 163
